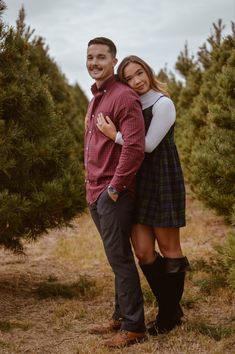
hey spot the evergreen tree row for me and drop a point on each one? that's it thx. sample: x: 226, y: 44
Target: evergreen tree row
x: 41, y: 131
x: 205, y: 129
x: 41, y: 139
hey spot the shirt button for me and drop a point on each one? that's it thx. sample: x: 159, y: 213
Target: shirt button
x: 105, y: 91
x: 124, y: 187
x: 90, y: 131
x: 93, y: 115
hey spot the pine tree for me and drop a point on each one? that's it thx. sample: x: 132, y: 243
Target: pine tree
x: 190, y: 71
x: 205, y: 118
x: 212, y: 159
x: 41, y: 174
x: 174, y: 86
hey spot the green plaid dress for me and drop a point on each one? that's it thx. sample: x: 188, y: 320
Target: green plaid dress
x: 160, y: 184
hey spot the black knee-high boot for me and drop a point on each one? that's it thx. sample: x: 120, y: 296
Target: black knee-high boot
x: 153, y: 273
x: 167, y: 283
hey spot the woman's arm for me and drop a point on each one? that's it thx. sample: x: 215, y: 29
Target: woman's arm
x: 163, y: 118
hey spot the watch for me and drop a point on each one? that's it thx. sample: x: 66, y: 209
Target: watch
x: 112, y: 190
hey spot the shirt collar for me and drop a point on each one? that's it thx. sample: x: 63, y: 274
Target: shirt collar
x: 149, y: 98
x: 105, y: 86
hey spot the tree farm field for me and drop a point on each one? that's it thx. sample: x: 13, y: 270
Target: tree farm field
x: 63, y: 284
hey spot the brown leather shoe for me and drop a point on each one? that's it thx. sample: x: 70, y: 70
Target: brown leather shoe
x: 111, y: 326
x: 124, y: 338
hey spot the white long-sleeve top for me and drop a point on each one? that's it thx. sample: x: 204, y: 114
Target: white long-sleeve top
x: 163, y: 118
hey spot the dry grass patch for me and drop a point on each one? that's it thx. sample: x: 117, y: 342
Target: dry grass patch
x: 216, y: 332
x: 83, y: 247
x: 82, y: 288
x: 6, y: 326
x: 69, y: 270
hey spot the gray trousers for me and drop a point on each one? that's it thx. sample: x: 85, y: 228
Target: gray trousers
x: 114, y: 221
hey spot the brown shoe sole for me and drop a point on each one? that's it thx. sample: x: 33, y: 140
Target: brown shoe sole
x: 128, y: 343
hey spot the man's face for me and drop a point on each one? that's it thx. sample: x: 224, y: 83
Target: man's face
x: 100, y: 63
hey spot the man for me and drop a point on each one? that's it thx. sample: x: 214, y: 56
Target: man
x: 110, y: 183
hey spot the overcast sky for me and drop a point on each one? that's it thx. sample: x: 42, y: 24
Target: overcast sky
x: 152, y: 29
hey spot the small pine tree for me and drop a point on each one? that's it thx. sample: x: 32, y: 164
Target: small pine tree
x: 212, y: 159
x: 41, y: 174
x: 205, y: 120
x: 191, y: 74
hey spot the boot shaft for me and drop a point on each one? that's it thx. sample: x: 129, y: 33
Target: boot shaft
x: 166, y: 278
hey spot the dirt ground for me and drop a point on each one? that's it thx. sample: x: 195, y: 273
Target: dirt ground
x: 32, y: 324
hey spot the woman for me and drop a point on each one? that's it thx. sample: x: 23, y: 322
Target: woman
x: 160, y: 203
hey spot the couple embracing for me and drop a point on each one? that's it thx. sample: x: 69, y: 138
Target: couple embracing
x: 135, y: 190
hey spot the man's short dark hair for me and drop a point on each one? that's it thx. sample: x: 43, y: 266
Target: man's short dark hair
x: 105, y: 41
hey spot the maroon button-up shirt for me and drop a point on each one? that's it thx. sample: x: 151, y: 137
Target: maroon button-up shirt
x: 107, y: 163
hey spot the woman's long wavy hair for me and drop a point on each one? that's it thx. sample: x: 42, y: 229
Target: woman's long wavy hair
x: 155, y: 84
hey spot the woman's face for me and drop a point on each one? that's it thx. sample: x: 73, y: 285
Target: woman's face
x: 137, y: 78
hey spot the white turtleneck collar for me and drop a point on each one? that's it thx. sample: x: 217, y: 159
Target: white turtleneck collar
x: 149, y: 98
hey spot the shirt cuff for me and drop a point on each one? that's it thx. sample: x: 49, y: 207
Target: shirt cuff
x: 118, y: 187
x: 119, y: 140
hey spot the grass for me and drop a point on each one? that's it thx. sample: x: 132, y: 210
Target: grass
x: 200, y: 264
x: 189, y: 302
x: 216, y: 332
x: 149, y: 298
x: 82, y: 288
x: 65, y: 285
x: 7, y: 326
x: 213, y: 274
x: 209, y: 285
